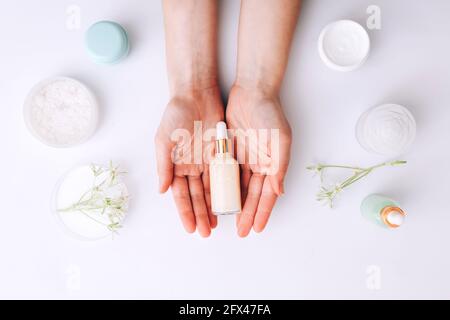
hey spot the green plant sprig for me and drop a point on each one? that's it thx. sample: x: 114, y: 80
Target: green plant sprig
x: 329, y: 194
x: 97, y: 199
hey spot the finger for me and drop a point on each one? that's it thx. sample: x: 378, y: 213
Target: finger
x: 265, y: 206
x: 199, y: 205
x: 207, y: 189
x: 250, y: 205
x: 164, y: 164
x: 245, y: 179
x: 180, y: 191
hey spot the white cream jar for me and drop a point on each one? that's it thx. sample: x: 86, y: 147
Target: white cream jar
x: 388, y: 130
x: 344, y: 45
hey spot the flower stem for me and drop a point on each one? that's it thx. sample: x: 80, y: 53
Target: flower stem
x: 328, y: 195
x: 97, y: 200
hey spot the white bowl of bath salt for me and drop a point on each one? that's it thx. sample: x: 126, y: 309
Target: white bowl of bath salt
x: 91, y: 201
x: 388, y: 130
x: 344, y: 45
x: 61, y: 112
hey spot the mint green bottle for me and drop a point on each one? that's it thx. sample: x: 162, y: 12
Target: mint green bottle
x: 382, y: 211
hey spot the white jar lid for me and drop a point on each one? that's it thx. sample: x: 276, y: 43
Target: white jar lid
x: 61, y: 112
x: 388, y: 130
x: 344, y: 45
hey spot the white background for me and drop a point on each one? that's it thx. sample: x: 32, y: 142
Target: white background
x: 307, y: 250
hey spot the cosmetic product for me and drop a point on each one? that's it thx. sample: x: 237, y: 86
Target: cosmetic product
x: 90, y: 202
x: 224, y: 176
x: 107, y: 42
x: 344, y: 45
x: 61, y: 112
x: 382, y: 211
x: 387, y: 130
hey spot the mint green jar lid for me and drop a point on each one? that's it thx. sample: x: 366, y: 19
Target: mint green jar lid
x: 107, y: 42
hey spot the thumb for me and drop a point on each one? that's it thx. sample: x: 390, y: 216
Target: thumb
x: 279, y: 169
x: 277, y: 184
x: 164, y: 164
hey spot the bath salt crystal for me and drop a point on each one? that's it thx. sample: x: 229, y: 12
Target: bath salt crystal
x: 61, y: 112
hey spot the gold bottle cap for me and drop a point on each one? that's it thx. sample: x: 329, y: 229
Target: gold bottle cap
x: 223, y: 144
x: 392, y: 216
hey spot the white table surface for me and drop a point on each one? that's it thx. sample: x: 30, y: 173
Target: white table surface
x: 307, y: 250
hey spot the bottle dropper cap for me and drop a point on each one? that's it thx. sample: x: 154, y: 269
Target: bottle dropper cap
x: 223, y: 145
x: 393, y: 217
x: 221, y: 130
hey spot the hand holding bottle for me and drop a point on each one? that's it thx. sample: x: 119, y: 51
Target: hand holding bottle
x: 263, y: 49
x: 254, y: 103
x: 188, y: 180
x: 252, y: 110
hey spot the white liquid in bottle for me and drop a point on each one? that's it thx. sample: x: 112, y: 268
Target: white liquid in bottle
x: 224, y: 176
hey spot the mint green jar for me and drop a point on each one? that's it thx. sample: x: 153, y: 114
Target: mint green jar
x: 107, y: 42
x: 382, y: 211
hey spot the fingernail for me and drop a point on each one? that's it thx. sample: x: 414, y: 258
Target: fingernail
x: 205, y: 234
x: 258, y: 229
x: 242, y: 233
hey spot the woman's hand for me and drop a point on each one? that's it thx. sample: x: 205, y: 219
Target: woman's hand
x: 266, y: 29
x: 191, y: 54
x: 249, y: 111
x: 177, y: 167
